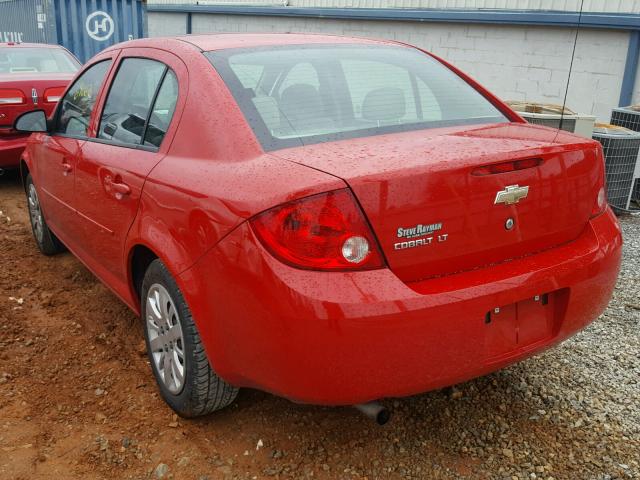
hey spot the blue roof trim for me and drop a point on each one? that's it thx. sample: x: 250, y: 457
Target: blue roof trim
x: 510, y: 17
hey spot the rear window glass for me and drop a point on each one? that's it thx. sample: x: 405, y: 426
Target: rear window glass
x: 36, y: 60
x: 305, y: 94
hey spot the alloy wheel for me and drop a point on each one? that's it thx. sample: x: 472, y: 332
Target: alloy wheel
x: 35, y: 213
x: 166, y: 341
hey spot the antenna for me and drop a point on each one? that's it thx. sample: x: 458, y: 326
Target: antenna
x: 573, y: 55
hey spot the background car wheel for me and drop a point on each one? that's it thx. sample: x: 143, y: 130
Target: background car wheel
x: 186, y: 380
x: 47, y: 242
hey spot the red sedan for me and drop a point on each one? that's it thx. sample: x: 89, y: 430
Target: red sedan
x: 333, y: 220
x: 32, y: 76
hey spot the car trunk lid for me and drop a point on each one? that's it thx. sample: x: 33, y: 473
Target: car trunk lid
x: 33, y: 87
x: 433, y: 207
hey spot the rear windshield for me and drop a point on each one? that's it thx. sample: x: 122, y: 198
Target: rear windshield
x: 300, y: 95
x: 36, y: 60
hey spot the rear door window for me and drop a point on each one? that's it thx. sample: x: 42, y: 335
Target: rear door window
x: 77, y: 104
x: 162, y: 112
x: 131, y: 95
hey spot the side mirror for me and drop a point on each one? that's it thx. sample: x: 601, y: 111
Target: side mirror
x: 29, y: 122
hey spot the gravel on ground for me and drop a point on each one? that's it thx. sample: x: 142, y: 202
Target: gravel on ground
x: 77, y: 399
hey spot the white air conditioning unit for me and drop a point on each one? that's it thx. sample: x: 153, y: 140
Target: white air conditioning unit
x: 552, y: 116
x: 621, y: 148
x: 629, y: 117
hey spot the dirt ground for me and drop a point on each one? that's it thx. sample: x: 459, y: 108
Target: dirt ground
x: 78, y: 401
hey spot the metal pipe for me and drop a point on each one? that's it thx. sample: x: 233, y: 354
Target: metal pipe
x: 375, y: 412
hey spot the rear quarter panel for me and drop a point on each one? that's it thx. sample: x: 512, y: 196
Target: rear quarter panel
x: 215, y: 176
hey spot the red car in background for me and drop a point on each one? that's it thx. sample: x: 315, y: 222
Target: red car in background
x: 32, y: 76
x: 333, y: 220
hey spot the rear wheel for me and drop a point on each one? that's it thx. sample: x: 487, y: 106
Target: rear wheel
x: 47, y: 242
x: 181, y: 368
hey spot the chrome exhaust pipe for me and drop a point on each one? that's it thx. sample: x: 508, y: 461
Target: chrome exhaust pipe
x: 1, y: 172
x: 376, y: 412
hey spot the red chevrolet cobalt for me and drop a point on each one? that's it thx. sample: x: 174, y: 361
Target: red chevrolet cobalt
x: 333, y: 220
x: 32, y: 76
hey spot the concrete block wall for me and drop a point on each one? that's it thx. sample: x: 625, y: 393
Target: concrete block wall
x: 515, y: 62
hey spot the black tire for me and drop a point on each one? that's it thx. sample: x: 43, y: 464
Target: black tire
x: 202, y: 391
x: 47, y: 242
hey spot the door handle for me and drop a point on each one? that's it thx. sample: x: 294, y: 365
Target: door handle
x: 121, y: 188
x: 66, y: 168
x: 117, y: 186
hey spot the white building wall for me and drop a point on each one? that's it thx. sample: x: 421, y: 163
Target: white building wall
x: 166, y: 24
x: 515, y: 62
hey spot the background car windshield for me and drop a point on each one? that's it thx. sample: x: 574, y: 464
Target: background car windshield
x: 36, y: 60
x: 310, y: 94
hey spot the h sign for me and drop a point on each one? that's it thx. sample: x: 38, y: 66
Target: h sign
x: 99, y: 26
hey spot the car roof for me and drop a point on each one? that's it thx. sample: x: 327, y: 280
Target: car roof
x: 224, y: 41
x: 30, y: 45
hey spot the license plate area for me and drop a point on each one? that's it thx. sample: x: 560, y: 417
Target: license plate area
x: 516, y: 326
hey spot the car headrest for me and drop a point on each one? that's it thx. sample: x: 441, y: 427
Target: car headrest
x: 301, y: 102
x: 385, y: 104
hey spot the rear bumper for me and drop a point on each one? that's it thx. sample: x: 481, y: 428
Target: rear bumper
x: 345, y: 338
x: 11, y: 149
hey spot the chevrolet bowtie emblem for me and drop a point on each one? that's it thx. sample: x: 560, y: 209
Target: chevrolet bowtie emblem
x: 512, y: 194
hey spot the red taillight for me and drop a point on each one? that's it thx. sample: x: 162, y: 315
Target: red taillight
x: 600, y: 204
x: 323, y: 232
x: 12, y: 96
x: 53, y: 94
x: 505, y: 167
